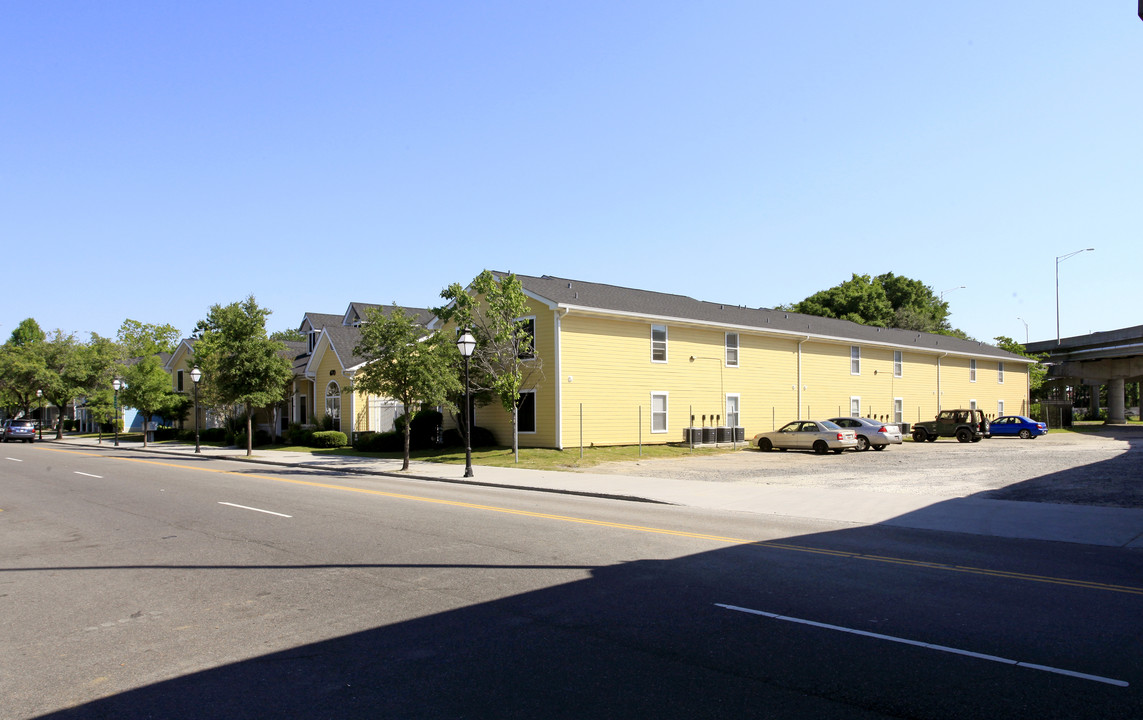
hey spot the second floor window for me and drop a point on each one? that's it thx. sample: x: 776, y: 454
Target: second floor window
x: 898, y: 364
x: 1000, y: 373
x: 854, y: 360
x: 659, y: 343
x: 732, y: 349
x: 526, y: 338
x: 972, y: 371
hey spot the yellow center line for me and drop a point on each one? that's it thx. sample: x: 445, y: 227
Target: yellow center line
x: 1005, y: 574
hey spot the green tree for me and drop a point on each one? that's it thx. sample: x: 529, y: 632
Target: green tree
x: 240, y: 363
x: 139, y: 339
x: 290, y: 335
x: 494, y: 310
x: 887, y: 300
x: 22, y: 372
x: 148, y: 389
x: 28, y: 332
x: 405, y: 363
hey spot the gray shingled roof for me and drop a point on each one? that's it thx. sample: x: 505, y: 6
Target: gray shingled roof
x: 422, y: 316
x: 610, y: 298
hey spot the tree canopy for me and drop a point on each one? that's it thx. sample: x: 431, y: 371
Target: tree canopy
x: 887, y: 300
x: 240, y: 364
x: 405, y: 363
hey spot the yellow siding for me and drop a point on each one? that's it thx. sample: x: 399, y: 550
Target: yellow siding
x: 327, y: 365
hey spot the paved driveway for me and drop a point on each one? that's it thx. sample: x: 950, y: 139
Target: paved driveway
x: 1089, y: 468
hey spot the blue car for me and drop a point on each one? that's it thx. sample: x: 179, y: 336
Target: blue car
x: 1018, y: 426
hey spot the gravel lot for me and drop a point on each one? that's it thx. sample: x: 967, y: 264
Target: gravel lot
x: 1084, y: 468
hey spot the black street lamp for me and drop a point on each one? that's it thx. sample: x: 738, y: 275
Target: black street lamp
x: 116, y: 384
x: 196, y: 375
x: 40, y: 395
x: 1060, y: 259
x: 467, y: 345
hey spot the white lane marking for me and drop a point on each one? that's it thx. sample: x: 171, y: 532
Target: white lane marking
x: 268, y: 512
x: 14, y: 459
x: 930, y: 646
x: 99, y: 477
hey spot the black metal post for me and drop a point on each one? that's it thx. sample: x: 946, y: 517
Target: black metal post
x: 197, y: 449
x: 467, y: 424
x: 116, y: 417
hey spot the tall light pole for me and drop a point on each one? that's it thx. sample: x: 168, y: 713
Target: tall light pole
x: 40, y: 395
x: 196, y: 375
x: 466, y: 343
x: 1025, y: 329
x: 1060, y: 259
x: 115, y: 385
x: 946, y: 292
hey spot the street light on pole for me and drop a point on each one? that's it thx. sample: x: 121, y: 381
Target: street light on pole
x: 1060, y: 259
x: 196, y: 375
x: 115, y: 385
x: 946, y: 292
x: 1025, y: 329
x: 466, y: 343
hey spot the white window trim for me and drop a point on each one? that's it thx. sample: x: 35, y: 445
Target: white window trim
x: 334, y: 383
x: 898, y: 364
x: 972, y: 371
x: 666, y: 340
x: 666, y: 412
x: 999, y: 408
x: 858, y: 399
x: 726, y: 409
x: 1000, y: 373
x: 535, y: 411
x: 898, y: 415
x: 972, y: 404
x: 737, y: 349
x: 854, y: 357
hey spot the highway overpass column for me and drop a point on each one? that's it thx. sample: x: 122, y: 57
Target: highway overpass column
x: 1116, y: 406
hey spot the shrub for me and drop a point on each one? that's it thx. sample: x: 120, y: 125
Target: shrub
x: 329, y: 439
x: 186, y: 436
x: 213, y: 435
x: 381, y: 442
x: 481, y: 437
x: 165, y: 433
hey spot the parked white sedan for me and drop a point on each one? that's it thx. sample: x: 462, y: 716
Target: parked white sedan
x: 870, y: 433
x: 821, y: 436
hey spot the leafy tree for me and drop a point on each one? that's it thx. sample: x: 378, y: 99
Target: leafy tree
x: 290, y: 335
x: 239, y: 362
x: 148, y: 388
x: 28, y: 332
x: 139, y: 339
x: 405, y: 363
x: 22, y: 372
x: 1037, y: 373
x: 66, y: 379
x: 505, y: 359
x: 886, y: 300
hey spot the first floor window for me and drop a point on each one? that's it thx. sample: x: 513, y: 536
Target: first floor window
x: 971, y: 404
x: 732, y: 411
x: 302, y: 409
x: 658, y: 412
x: 333, y: 404
x: 180, y: 381
x: 855, y: 407
x: 999, y: 407
x: 526, y: 412
x: 898, y: 410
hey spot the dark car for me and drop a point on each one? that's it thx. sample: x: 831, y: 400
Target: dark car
x: 1018, y: 426
x: 19, y: 430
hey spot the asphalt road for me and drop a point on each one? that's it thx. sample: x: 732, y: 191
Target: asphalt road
x: 138, y: 587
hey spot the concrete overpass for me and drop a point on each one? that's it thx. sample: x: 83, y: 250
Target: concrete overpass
x: 1113, y: 358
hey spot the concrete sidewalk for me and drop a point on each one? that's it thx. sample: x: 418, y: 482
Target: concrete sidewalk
x: 1107, y: 526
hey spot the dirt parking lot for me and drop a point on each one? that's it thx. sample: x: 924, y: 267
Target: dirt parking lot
x: 1104, y: 467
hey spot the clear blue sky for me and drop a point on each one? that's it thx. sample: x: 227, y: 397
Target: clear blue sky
x: 159, y: 157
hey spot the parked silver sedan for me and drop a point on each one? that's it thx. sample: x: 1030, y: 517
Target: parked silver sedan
x: 820, y: 436
x: 870, y: 433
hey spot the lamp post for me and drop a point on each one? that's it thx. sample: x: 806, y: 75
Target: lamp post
x: 466, y: 343
x: 1060, y: 259
x: 946, y: 292
x: 196, y: 375
x: 40, y: 395
x: 1025, y: 329
x: 115, y: 385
